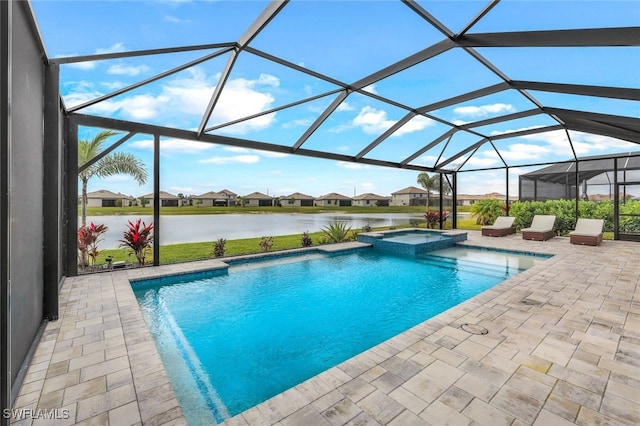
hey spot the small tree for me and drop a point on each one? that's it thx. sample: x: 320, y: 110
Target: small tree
x: 218, y: 247
x: 306, y: 240
x: 139, y: 238
x: 266, y: 243
x: 143, y: 201
x: 88, y: 239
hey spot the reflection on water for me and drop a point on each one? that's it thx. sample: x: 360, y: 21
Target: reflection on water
x: 198, y: 228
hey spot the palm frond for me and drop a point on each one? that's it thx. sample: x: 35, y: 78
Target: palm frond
x: 122, y: 163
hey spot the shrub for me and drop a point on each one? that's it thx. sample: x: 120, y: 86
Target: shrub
x: 337, y: 232
x: 88, y: 239
x: 306, y: 240
x: 266, y: 243
x: 138, y: 237
x: 218, y: 247
x: 486, y: 211
x: 434, y: 219
x: 366, y: 228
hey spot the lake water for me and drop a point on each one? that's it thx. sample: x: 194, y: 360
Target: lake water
x: 199, y: 228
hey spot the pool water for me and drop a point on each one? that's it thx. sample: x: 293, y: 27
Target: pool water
x: 232, y: 340
x: 415, y: 237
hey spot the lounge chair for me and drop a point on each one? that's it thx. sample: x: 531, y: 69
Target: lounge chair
x: 587, y: 232
x: 501, y: 227
x: 541, y: 228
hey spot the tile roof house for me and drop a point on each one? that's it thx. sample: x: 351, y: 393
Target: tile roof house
x: 409, y: 196
x: 104, y: 198
x: 370, y: 200
x: 297, y: 199
x: 257, y: 199
x: 334, y: 200
x: 212, y: 198
x: 166, y: 199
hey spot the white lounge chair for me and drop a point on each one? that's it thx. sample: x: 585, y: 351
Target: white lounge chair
x: 587, y: 232
x: 541, y: 228
x: 502, y: 226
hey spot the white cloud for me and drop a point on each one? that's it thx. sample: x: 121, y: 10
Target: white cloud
x: 478, y: 160
x: 85, y: 66
x: 113, y: 85
x: 367, y: 186
x: 117, y: 178
x: 370, y: 88
x: 483, y: 110
x: 189, y: 96
x: 130, y: 70
x: 345, y: 106
x: 522, y: 129
x: 372, y: 121
x: 521, y: 151
x: 238, y: 159
x: 174, y: 20
x: 416, y: 124
x: 114, y: 48
x: 302, y: 122
x: 352, y: 166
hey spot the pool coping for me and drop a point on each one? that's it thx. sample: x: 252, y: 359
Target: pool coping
x: 99, y: 361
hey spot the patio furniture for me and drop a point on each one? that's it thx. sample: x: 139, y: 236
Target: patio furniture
x: 541, y: 228
x: 502, y: 226
x: 587, y: 232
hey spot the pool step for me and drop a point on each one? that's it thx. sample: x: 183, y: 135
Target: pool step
x: 465, y: 265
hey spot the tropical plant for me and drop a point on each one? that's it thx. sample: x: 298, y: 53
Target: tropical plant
x: 306, y: 240
x: 109, y: 165
x: 266, y: 243
x: 143, y: 201
x: 486, y: 210
x: 434, y: 219
x: 88, y: 239
x: 337, y: 232
x: 218, y: 247
x: 366, y: 228
x: 139, y: 238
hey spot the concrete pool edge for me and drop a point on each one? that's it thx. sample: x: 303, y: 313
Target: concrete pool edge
x: 101, y: 311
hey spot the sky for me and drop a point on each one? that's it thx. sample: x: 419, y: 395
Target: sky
x: 347, y: 41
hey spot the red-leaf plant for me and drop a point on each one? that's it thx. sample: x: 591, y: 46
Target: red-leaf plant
x: 434, y: 218
x: 88, y: 239
x: 138, y: 238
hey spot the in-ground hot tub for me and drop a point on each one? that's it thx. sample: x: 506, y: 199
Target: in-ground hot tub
x: 412, y: 241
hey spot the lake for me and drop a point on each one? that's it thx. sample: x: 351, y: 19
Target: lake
x: 199, y: 228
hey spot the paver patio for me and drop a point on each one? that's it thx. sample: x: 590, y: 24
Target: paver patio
x: 563, y: 347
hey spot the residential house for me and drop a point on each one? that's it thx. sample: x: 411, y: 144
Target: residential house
x: 370, y: 200
x: 297, y: 200
x: 334, y: 200
x: 166, y: 199
x: 104, y: 198
x: 257, y: 199
x: 223, y: 198
x: 409, y: 196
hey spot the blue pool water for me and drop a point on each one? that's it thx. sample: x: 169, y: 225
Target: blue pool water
x: 232, y: 340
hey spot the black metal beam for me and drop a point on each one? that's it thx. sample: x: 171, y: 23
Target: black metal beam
x: 579, y: 89
x: 391, y: 130
x: 218, y: 90
x: 51, y: 191
x: 413, y: 5
x: 104, y: 153
x: 501, y: 118
x: 485, y: 91
x: 71, y: 196
x: 427, y: 147
x: 405, y: 63
x: 453, y: 158
x: 5, y: 220
x: 591, y: 37
x: 137, y: 53
x: 128, y: 126
x: 321, y: 119
x: 479, y: 16
x: 156, y: 200
x: 269, y: 12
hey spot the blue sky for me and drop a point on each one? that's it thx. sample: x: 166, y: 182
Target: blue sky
x: 346, y: 41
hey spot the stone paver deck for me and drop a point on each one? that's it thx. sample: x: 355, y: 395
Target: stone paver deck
x: 563, y: 347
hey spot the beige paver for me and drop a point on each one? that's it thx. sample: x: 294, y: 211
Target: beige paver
x: 563, y: 348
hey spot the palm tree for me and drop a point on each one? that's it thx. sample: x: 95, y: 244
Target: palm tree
x: 109, y: 165
x: 429, y: 183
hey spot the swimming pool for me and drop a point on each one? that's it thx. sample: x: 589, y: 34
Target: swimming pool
x: 232, y: 339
